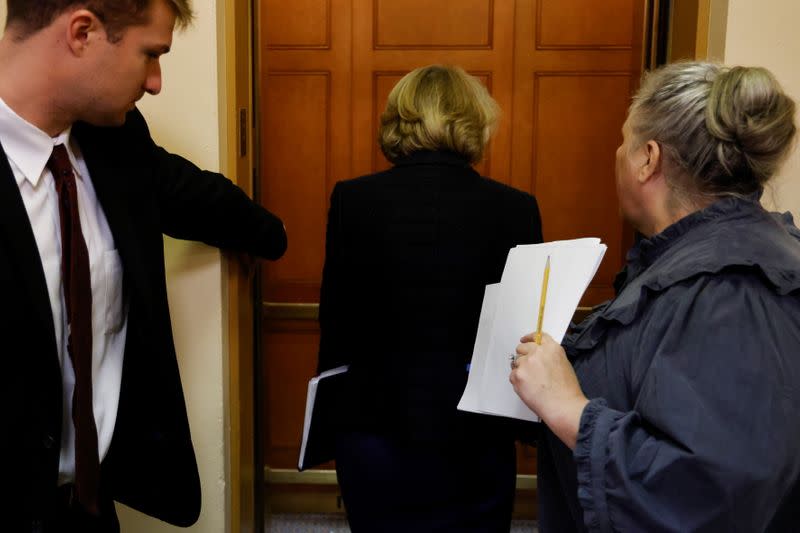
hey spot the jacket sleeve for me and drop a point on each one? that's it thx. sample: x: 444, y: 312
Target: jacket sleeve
x: 533, y: 235
x: 712, y: 442
x: 333, y: 312
x: 526, y: 223
x: 205, y: 206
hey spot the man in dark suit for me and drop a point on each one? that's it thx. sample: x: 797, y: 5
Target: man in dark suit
x: 92, y: 394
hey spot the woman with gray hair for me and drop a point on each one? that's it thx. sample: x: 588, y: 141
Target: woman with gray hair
x: 674, y: 406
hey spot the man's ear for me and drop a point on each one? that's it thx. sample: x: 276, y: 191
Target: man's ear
x: 652, y: 167
x: 83, y: 27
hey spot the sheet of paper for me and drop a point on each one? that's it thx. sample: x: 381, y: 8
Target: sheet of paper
x: 513, y: 312
x: 470, y: 400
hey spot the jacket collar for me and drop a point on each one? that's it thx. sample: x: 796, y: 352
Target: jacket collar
x: 731, y: 233
x: 108, y: 174
x: 432, y: 157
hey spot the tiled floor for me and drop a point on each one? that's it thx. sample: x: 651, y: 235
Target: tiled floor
x: 321, y: 523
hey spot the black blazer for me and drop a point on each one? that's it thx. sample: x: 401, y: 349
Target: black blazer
x: 408, y: 254
x: 144, y: 192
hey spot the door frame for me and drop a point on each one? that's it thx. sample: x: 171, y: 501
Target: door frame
x: 237, y: 57
x: 248, y: 472
x: 234, y: 20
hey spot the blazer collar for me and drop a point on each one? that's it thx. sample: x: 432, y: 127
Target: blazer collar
x: 431, y: 157
x: 105, y: 176
x: 108, y: 174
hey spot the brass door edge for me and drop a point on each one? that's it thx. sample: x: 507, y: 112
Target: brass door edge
x: 581, y: 313
x: 290, y: 311
x: 286, y: 476
x: 526, y: 482
x: 310, y: 311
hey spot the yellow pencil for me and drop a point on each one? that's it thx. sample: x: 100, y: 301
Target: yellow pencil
x: 542, y: 300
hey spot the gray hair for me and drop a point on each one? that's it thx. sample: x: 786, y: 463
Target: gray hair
x: 725, y: 130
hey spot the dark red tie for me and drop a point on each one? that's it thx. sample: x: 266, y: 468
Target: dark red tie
x: 78, y: 297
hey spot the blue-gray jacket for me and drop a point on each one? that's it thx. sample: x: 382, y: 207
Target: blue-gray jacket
x: 693, y: 372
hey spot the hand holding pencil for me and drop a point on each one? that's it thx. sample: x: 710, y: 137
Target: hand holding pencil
x: 545, y: 381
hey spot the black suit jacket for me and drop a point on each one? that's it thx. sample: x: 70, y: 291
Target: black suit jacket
x: 145, y: 192
x: 409, y: 252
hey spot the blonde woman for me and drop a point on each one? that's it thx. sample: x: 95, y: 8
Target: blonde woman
x: 409, y: 251
x: 681, y: 411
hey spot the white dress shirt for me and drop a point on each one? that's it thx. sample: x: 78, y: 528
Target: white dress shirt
x: 28, y: 150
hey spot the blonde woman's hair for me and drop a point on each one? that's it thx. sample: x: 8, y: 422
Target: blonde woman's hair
x: 437, y: 108
x: 725, y: 129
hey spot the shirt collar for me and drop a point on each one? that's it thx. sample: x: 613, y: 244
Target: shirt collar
x: 29, y: 147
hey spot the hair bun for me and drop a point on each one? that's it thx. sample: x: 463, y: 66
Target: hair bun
x: 753, y: 121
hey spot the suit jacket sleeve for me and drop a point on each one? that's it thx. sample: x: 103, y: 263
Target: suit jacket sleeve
x: 205, y: 206
x: 333, y: 293
x: 527, y: 224
x: 534, y: 225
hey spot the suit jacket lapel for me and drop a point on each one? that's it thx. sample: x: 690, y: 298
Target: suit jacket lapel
x: 16, y: 232
x: 106, y: 178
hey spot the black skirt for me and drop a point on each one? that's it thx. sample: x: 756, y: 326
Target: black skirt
x: 393, y: 486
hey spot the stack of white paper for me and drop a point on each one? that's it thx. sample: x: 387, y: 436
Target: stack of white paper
x: 511, y: 310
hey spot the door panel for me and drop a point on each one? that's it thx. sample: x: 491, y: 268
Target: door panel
x: 573, y: 78
x: 304, y: 125
x: 458, y: 24
x: 562, y: 72
x: 295, y: 132
x: 303, y: 89
x: 575, y: 24
x: 281, y: 28
x: 576, y: 119
x: 287, y: 377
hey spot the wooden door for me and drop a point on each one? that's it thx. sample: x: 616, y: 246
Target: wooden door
x: 561, y: 70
